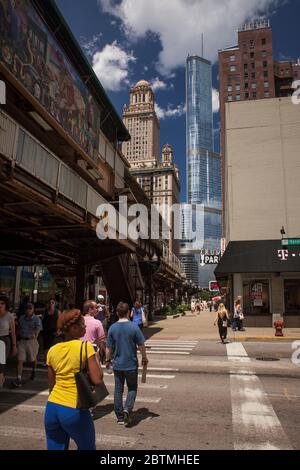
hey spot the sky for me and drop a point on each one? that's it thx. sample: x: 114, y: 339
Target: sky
x: 129, y: 40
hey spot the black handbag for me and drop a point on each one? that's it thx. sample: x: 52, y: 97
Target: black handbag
x: 88, y: 394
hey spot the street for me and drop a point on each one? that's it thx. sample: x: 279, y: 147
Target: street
x: 199, y: 395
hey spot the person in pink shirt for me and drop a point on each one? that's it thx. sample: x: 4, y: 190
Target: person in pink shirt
x: 94, y: 330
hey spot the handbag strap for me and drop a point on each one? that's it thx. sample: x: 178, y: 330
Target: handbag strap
x: 80, y: 366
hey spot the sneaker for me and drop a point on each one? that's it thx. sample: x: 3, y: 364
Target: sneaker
x: 33, y: 374
x: 121, y: 421
x: 127, y: 417
x: 16, y: 384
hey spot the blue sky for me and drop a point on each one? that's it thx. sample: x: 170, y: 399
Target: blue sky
x: 129, y: 40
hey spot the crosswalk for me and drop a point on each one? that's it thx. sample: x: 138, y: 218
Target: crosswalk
x: 170, y: 347
x: 27, y: 405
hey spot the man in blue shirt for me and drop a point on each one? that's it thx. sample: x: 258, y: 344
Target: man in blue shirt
x: 29, y: 326
x: 124, y: 337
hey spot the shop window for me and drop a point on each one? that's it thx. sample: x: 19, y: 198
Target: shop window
x: 256, y: 297
x: 292, y: 296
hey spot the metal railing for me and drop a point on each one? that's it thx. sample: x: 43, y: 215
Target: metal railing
x: 29, y: 154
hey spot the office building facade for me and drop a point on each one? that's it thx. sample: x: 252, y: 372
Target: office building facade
x: 203, y: 167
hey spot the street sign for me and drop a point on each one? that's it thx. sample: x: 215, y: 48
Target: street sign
x: 290, y: 242
x: 214, y: 286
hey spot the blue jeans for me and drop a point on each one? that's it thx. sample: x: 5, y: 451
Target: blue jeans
x: 131, y: 377
x: 63, y: 423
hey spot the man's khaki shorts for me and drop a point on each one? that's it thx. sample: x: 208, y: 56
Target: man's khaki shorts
x: 28, y: 350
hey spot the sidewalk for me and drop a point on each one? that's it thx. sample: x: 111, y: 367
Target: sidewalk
x: 192, y: 327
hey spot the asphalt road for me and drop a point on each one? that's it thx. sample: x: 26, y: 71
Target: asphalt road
x: 198, y: 396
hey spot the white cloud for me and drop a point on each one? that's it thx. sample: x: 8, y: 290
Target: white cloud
x: 216, y: 100
x: 90, y: 46
x: 111, y: 66
x: 180, y: 23
x: 170, y: 112
x: 158, y: 84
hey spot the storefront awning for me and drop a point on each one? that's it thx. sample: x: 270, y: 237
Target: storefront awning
x: 266, y: 256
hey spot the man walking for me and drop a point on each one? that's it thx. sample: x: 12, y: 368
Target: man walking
x: 124, y: 337
x: 29, y: 326
x: 94, y: 330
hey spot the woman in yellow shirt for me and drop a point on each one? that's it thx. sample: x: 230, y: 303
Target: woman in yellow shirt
x: 62, y: 419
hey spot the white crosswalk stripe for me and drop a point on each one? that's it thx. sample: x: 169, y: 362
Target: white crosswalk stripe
x: 170, y: 347
x: 38, y: 434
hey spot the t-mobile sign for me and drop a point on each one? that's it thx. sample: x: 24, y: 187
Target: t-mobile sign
x: 2, y: 92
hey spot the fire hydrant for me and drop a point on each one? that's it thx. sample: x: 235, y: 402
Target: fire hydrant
x: 278, y: 328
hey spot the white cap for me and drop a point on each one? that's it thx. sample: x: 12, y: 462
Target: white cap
x: 100, y: 297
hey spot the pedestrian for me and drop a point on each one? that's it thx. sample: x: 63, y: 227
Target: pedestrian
x: 124, y: 337
x: 29, y: 326
x: 23, y: 305
x: 49, y: 322
x: 110, y: 318
x: 8, y: 341
x: 138, y: 315
x: 95, y: 333
x: 62, y: 418
x: 101, y: 314
x: 222, y: 322
x: 238, y: 315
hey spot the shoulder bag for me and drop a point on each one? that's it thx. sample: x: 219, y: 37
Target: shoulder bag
x: 88, y: 394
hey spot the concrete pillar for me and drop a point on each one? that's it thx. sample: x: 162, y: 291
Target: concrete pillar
x: 17, y: 285
x: 237, y: 286
x: 277, y: 297
x: 81, y: 285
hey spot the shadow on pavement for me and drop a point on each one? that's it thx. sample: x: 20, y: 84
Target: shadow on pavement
x: 140, y: 415
x: 149, y: 332
x: 101, y: 411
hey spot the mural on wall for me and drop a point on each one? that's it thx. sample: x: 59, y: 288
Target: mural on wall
x: 29, y: 51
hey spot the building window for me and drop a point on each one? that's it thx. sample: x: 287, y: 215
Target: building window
x: 292, y: 296
x: 253, y: 75
x: 264, y: 53
x: 252, y: 43
x: 229, y: 88
x: 232, y: 68
x: 253, y: 65
x: 238, y: 78
x: 253, y: 86
x: 238, y: 87
x: 254, y: 95
x: 251, y: 55
x: 245, y: 56
x: 246, y: 96
x: 265, y: 64
x: 232, y: 58
x: 267, y: 94
x: 245, y: 66
x: 263, y: 41
x: 266, y: 84
x: 256, y: 297
x: 230, y: 98
x: 238, y: 97
x: 246, y: 76
x: 266, y: 74
x: 246, y: 85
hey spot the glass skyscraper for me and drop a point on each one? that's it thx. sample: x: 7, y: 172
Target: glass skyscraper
x: 203, y: 165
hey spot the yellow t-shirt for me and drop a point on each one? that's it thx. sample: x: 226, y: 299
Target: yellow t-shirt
x: 64, y: 358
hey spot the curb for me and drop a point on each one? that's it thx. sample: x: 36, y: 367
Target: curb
x: 266, y: 338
